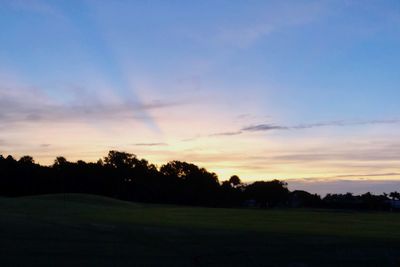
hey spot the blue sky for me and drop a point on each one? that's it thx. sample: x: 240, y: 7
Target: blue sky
x: 316, y: 82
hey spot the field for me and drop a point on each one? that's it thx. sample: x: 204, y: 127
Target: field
x: 83, y: 230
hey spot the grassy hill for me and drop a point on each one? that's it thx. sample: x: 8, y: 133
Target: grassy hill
x: 85, y: 230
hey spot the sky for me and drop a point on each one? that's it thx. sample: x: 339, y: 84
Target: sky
x: 303, y: 91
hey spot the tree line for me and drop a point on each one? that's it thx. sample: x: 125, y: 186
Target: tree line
x: 123, y: 176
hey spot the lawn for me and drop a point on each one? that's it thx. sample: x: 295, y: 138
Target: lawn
x: 84, y: 230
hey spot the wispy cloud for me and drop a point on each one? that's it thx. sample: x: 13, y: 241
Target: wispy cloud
x: 348, y: 177
x: 245, y: 36
x: 150, y: 144
x: 345, y: 123
x: 45, y: 145
x: 328, y: 185
x: 368, y: 175
x: 227, y: 133
x: 275, y: 17
x: 263, y: 127
x: 276, y: 127
x: 351, y: 153
x: 34, y: 6
x: 268, y: 18
x: 32, y: 106
x: 270, y: 127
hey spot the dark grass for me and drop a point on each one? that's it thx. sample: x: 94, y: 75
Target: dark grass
x: 82, y: 230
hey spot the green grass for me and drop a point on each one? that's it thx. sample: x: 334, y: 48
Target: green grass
x: 84, y: 230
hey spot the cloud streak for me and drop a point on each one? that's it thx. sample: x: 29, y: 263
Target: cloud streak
x: 150, y: 144
x: 270, y: 127
x: 28, y: 106
x: 274, y: 127
x: 368, y: 175
x: 227, y: 133
x: 269, y: 18
x: 326, y: 186
x: 34, y: 6
x: 263, y: 127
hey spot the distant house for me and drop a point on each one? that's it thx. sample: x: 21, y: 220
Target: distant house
x: 300, y: 198
x: 250, y: 203
x: 394, y: 204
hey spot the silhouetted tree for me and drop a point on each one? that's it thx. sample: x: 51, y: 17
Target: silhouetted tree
x: 235, y: 181
x: 231, y: 192
x: 195, y: 185
x: 395, y: 195
x: 26, y: 160
x: 268, y: 194
x: 122, y: 175
x: 120, y: 160
x: 60, y: 161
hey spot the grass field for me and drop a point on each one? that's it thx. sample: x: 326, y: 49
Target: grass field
x: 83, y: 230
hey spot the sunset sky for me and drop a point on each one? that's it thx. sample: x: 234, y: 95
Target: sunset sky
x: 305, y: 91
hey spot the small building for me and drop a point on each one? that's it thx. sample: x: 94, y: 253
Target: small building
x: 250, y: 203
x: 394, y: 204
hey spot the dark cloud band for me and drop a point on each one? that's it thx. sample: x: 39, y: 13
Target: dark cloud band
x: 270, y: 127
